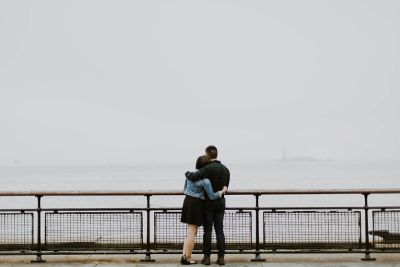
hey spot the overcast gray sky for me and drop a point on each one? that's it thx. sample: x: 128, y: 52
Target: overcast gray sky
x: 127, y: 81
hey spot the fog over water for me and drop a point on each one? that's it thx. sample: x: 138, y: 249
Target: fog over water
x: 271, y: 175
x: 152, y: 83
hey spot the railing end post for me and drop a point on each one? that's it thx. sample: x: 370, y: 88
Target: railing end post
x: 38, y: 259
x: 147, y: 258
x: 368, y: 257
x: 258, y: 258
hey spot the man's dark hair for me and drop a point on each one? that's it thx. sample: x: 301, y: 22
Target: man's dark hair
x: 212, y: 152
x: 202, y: 161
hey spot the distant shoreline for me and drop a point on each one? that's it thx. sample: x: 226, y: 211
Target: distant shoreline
x: 304, y: 159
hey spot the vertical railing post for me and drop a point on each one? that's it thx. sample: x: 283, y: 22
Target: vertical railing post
x: 367, y: 256
x: 257, y: 256
x: 148, y: 252
x: 39, y: 233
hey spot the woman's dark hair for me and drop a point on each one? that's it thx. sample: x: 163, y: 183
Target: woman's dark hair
x: 202, y: 161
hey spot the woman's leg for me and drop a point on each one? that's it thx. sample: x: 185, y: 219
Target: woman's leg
x: 185, y: 246
x: 188, y: 245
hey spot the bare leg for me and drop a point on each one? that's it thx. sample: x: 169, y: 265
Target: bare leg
x: 188, y: 245
x: 184, y: 247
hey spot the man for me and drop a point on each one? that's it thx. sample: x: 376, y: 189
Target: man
x: 214, y: 211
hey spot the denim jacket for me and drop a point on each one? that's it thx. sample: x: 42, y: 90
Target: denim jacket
x: 196, y: 189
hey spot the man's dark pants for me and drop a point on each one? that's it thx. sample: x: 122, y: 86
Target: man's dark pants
x: 216, y: 217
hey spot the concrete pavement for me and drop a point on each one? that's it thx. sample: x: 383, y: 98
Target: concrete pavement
x: 289, y: 260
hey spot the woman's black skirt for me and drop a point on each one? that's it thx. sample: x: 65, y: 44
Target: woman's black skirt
x: 193, y: 211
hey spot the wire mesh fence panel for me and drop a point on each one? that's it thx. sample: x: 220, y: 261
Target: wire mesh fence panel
x: 386, y: 229
x: 238, y: 230
x: 93, y: 230
x: 312, y: 230
x: 170, y: 233
x: 16, y: 231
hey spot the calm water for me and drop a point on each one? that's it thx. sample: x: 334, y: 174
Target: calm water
x: 270, y: 175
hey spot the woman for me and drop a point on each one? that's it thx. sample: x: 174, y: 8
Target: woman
x: 193, y: 207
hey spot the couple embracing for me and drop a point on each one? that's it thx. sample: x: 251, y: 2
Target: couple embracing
x: 204, y: 204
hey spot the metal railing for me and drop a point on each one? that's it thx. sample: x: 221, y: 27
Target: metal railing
x: 151, y: 230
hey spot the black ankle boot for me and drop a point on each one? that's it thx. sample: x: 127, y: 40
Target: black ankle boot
x: 206, y: 260
x: 221, y: 260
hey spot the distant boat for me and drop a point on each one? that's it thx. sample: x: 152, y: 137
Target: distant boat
x: 285, y: 158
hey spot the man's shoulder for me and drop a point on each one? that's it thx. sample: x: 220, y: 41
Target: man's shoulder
x: 218, y: 164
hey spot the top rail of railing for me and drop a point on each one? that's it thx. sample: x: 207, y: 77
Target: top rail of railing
x: 175, y: 192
